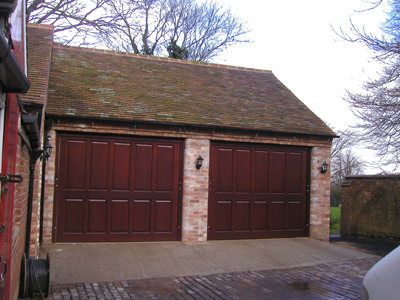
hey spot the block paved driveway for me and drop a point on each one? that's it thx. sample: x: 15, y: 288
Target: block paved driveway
x: 335, y: 280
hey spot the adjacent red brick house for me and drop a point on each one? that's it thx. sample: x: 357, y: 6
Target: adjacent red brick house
x: 19, y: 138
x: 128, y: 131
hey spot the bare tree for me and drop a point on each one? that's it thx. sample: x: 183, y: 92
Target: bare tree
x: 386, y: 45
x: 74, y: 21
x: 378, y: 106
x: 185, y: 29
x: 344, y: 161
x: 204, y: 30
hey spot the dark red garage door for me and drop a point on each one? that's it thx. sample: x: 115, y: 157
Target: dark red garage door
x: 117, y: 189
x: 257, y: 191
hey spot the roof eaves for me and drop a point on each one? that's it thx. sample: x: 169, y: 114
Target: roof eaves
x: 209, y: 127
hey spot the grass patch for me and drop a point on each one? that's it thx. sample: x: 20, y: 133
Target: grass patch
x: 335, y: 220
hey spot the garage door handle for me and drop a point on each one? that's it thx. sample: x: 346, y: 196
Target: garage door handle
x: 11, y: 178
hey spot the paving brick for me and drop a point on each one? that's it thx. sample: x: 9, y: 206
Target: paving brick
x: 338, y: 280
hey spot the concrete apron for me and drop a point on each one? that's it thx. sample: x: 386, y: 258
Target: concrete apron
x: 102, y: 262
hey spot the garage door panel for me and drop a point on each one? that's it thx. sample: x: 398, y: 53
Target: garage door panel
x: 224, y: 212
x: 259, y: 217
x: 276, y: 216
x: 143, y: 167
x: 164, y: 171
x: 142, y: 216
x: 122, y: 166
x: 261, y: 176
x: 98, y: 166
x: 295, y: 215
x: 278, y: 172
x: 117, y: 189
x: 163, y: 216
x: 120, y: 216
x: 74, y: 164
x: 242, y: 214
x: 268, y: 192
x: 97, y: 213
x: 73, y: 216
x: 294, y: 178
x: 225, y: 169
x: 243, y: 170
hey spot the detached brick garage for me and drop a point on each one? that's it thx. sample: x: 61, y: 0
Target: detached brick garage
x: 128, y: 129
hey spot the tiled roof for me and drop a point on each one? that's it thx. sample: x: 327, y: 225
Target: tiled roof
x: 40, y: 42
x: 90, y: 83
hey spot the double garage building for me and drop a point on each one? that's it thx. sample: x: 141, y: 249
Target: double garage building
x: 128, y: 131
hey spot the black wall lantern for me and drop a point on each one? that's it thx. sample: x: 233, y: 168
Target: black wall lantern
x: 324, y: 168
x: 46, y: 149
x: 199, y: 162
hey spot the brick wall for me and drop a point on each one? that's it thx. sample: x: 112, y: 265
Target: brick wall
x: 371, y: 206
x: 195, y: 191
x: 197, y: 142
x: 19, y: 217
x: 319, y: 194
x: 35, y: 224
x: 49, y: 192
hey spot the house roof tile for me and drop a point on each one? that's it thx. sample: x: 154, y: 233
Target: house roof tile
x: 39, y: 43
x: 89, y: 83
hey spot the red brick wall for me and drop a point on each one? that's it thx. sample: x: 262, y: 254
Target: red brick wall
x: 21, y: 192
x: 320, y: 194
x: 49, y: 192
x: 371, y: 206
x: 195, y: 191
x: 19, y: 217
x: 35, y: 224
x: 197, y: 142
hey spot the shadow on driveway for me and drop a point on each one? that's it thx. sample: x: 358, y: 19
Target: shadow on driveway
x: 367, y: 245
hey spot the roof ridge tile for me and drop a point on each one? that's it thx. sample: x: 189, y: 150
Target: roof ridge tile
x: 160, y: 58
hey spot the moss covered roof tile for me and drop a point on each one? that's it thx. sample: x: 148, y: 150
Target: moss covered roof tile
x: 89, y: 83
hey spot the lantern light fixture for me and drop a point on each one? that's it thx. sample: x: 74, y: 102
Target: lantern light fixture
x: 199, y: 162
x: 324, y: 168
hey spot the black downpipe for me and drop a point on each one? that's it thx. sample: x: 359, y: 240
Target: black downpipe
x: 42, y: 201
x: 35, y: 273
x: 34, y: 155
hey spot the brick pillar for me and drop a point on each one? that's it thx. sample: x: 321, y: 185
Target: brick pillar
x: 320, y: 194
x: 35, y: 224
x: 49, y: 192
x: 195, y: 191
